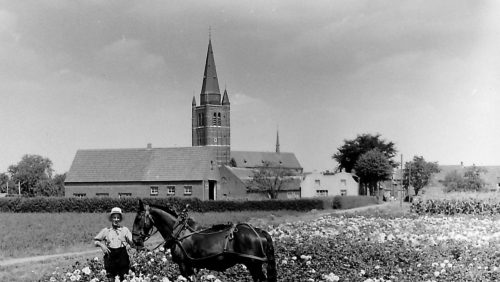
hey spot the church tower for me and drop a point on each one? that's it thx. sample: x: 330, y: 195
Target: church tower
x: 210, y: 120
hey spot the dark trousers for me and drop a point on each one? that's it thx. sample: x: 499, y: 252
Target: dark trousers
x: 117, y: 263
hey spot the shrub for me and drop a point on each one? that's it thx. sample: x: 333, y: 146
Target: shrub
x: 349, y: 202
x: 100, y: 205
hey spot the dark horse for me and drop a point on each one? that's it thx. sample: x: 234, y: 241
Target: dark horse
x: 216, y: 248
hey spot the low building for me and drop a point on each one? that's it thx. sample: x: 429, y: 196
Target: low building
x: 144, y: 172
x: 325, y: 184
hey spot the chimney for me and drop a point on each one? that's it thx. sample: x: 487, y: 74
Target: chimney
x: 461, y: 163
x: 149, y: 146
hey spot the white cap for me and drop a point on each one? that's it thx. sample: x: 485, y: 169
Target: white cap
x: 116, y: 210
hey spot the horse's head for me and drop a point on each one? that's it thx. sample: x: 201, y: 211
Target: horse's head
x: 143, y: 226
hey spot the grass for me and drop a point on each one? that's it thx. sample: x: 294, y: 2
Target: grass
x: 33, y: 234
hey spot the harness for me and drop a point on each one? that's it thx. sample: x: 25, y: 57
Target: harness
x: 182, y: 224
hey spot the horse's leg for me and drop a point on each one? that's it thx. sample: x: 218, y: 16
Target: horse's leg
x: 256, y: 271
x: 186, y: 271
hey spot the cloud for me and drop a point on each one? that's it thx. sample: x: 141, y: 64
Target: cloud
x: 129, y: 59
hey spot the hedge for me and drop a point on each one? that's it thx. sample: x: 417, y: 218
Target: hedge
x: 101, y: 205
x: 349, y: 202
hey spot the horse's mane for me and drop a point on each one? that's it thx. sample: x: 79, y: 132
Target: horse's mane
x: 165, y: 209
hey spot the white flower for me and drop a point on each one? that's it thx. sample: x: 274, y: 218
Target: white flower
x: 86, y: 270
x: 217, y: 280
x: 450, y: 265
x: 284, y: 261
x: 52, y: 279
x: 96, y: 259
x: 210, y: 277
x: 72, y: 278
x: 419, y: 264
x: 77, y: 271
x: 165, y: 279
x: 164, y: 259
x: 362, y: 272
x: 181, y: 278
x: 162, y: 249
x: 436, y: 273
x: 308, y: 262
x: 94, y: 280
x: 377, y: 267
x: 294, y: 258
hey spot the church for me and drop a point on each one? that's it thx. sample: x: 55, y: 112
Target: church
x: 207, y: 170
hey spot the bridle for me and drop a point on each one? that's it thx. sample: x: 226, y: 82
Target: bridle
x: 145, y: 236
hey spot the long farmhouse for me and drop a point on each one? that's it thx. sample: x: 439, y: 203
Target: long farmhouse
x: 208, y: 170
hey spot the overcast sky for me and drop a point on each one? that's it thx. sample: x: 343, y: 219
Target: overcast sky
x: 121, y: 74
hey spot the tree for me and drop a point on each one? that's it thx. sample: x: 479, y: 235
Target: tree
x: 34, y: 173
x: 349, y: 153
x: 4, y: 181
x: 469, y: 180
x: 270, y: 179
x: 418, y: 173
x: 373, y: 167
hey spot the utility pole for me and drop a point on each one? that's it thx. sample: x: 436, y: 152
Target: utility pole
x: 401, y: 179
x: 409, y: 180
x: 19, y: 187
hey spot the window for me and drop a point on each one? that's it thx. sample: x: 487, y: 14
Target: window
x: 171, y: 190
x: 102, y: 194
x: 343, y: 192
x: 214, y: 119
x: 293, y: 194
x: 219, y: 122
x: 317, y: 182
x: 322, y: 193
x: 188, y: 190
x: 154, y: 191
x: 80, y: 195
x: 343, y: 182
x: 123, y: 195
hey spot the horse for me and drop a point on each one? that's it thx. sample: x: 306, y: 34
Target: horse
x: 217, y: 248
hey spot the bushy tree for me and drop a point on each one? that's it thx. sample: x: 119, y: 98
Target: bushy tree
x: 373, y: 167
x: 34, y: 173
x: 418, y: 173
x: 468, y: 180
x: 270, y: 179
x: 348, y: 154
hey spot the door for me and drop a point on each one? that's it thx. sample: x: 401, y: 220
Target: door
x: 212, y: 190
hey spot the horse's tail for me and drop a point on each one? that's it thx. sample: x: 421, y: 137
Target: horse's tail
x: 271, y: 260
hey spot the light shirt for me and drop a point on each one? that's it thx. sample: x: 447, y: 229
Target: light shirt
x: 115, y: 237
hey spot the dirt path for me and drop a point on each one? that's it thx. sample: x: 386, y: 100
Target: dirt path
x: 312, y: 216
x: 46, y: 257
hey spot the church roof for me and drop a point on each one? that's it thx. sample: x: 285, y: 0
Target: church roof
x: 246, y: 176
x: 210, y: 82
x: 143, y: 164
x: 257, y: 159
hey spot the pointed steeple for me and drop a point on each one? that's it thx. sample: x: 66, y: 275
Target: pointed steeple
x: 210, y: 93
x: 194, y: 101
x: 277, y: 141
x: 225, y: 98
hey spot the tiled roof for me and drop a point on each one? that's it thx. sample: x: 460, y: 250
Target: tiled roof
x: 246, y: 175
x: 257, y: 159
x: 154, y: 164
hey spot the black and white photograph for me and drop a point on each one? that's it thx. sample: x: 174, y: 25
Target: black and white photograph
x: 213, y: 141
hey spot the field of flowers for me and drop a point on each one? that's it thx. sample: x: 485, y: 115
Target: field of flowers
x: 350, y: 248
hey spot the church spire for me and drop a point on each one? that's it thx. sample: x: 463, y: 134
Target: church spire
x: 210, y: 93
x: 225, y: 98
x: 277, y: 141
